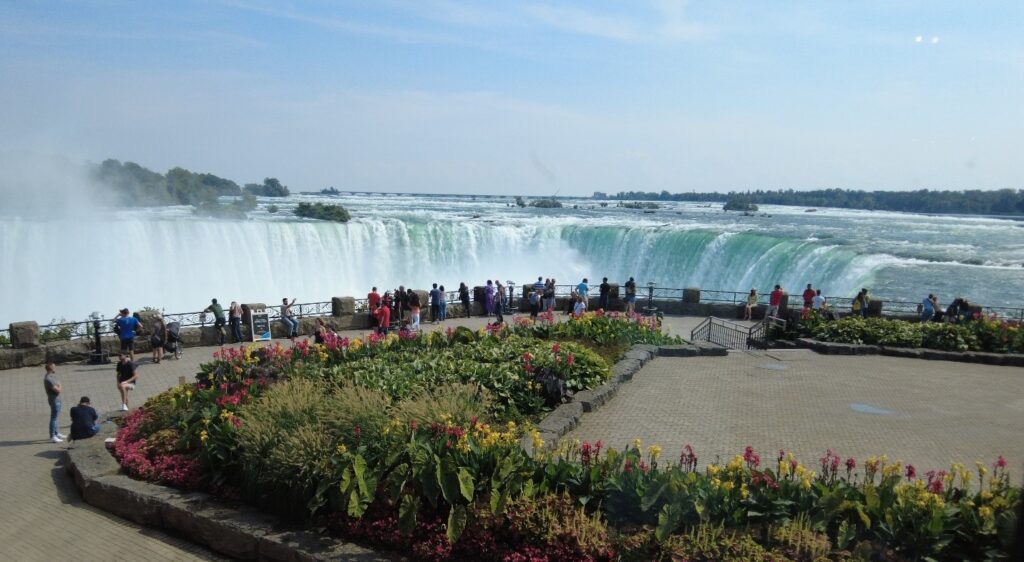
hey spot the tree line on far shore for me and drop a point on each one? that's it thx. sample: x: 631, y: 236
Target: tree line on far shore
x: 967, y: 202
x: 133, y: 185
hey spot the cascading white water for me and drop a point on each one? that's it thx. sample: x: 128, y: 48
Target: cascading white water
x: 60, y: 268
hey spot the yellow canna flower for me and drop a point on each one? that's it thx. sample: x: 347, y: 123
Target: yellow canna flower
x: 985, y: 512
x: 342, y: 449
x: 713, y: 469
x: 654, y: 451
x: 744, y: 492
x: 637, y: 444
x: 203, y: 436
x: 805, y: 483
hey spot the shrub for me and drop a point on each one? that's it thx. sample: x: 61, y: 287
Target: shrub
x: 460, y: 402
x: 323, y: 211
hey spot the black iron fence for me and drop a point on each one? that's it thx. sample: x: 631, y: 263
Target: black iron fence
x: 64, y: 331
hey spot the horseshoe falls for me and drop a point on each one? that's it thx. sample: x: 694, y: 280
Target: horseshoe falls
x: 69, y: 266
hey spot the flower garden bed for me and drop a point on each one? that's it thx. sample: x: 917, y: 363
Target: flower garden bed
x: 981, y: 334
x: 414, y: 446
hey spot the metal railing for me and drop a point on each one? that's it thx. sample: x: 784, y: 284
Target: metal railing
x: 733, y: 335
x: 64, y: 331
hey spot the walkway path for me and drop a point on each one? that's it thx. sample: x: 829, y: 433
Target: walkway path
x: 43, y: 516
x: 924, y: 412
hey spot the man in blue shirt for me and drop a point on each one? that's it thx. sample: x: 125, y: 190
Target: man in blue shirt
x: 126, y: 325
x: 435, y: 304
x: 581, y: 290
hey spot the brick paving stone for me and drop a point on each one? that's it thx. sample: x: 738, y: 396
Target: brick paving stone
x: 924, y: 412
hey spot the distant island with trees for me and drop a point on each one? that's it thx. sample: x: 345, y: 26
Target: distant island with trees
x: 136, y: 186
x: 967, y: 202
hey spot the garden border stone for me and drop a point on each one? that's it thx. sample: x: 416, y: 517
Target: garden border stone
x: 228, y: 527
x: 988, y: 358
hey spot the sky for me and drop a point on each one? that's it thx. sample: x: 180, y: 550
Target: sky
x: 531, y: 98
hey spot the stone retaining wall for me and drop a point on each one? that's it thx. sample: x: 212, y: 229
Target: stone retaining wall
x: 228, y: 527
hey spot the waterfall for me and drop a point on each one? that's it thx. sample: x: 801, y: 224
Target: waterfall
x: 66, y: 268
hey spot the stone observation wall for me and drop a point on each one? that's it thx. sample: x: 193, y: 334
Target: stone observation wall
x: 27, y: 349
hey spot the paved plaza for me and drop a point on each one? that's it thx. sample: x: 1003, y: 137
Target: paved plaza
x: 925, y: 412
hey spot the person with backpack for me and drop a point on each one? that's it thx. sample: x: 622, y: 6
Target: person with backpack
x: 126, y: 325
x: 464, y: 297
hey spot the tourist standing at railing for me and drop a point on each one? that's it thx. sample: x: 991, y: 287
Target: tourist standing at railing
x: 549, y: 295
x: 605, y: 294
x: 581, y: 291
x: 860, y: 303
x: 435, y: 304
x: 402, y: 302
x: 539, y: 288
x: 235, y: 316
x: 443, y: 304
x: 157, y: 338
x: 464, y: 297
x: 290, y: 324
x: 500, y: 298
x: 218, y: 317
x: 630, y: 296
x: 53, y: 391
x: 383, y: 314
x: 818, y: 303
x: 928, y: 307
x: 414, y: 310
x: 748, y: 309
x: 489, y: 298
x: 808, y: 296
x: 372, y: 304
x: 774, y: 301
x: 126, y: 325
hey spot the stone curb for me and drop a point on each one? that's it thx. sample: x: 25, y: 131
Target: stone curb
x: 228, y: 527
x: 831, y: 348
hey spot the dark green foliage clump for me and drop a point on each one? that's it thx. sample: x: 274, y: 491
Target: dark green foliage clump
x: 323, y: 211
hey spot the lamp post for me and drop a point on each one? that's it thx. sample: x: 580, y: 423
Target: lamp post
x: 97, y: 357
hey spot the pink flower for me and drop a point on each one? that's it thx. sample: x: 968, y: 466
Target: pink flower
x: 851, y: 464
x: 570, y: 359
x: 556, y: 348
x: 628, y: 467
x: 1000, y: 462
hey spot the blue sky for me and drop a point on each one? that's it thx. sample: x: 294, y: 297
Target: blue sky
x: 525, y: 98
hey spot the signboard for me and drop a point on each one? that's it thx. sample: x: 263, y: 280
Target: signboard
x: 259, y: 324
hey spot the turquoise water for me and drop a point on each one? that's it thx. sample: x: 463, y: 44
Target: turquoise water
x: 166, y: 258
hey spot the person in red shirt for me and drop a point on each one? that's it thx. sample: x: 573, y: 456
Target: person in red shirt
x: 808, y: 296
x: 383, y: 315
x: 774, y: 301
x: 372, y: 304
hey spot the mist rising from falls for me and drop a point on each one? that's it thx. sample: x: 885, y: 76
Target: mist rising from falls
x: 71, y: 267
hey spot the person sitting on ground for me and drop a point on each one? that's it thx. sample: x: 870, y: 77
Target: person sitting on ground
x: 83, y: 420
x: 580, y: 307
x: 320, y: 335
x: 127, y: 375
x: 748, y: 309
